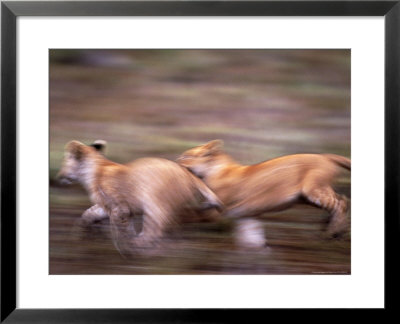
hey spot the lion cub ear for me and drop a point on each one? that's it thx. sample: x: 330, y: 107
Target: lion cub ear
x: 75, y: 148
x: 99, y: 145
x: 212, y: 147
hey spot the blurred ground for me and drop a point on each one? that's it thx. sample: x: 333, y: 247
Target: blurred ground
x: 262, y: 103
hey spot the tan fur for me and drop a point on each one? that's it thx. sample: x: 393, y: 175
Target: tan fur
x: 249, y: 190
x: 156, y: 188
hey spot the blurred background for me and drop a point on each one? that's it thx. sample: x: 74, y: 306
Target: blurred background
x: 159, y: 103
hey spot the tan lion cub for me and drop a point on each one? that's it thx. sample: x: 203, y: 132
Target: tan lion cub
x: 277, y: 184
x: 156, y: 188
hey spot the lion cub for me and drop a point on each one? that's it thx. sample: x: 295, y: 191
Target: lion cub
x: 156, y: 188
x: 277, y: 184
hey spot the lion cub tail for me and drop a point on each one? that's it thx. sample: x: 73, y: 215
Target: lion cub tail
x: 340, y: 160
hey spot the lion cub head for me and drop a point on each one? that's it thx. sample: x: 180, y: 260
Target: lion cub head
x: 200, y: 160
x: 76, y: 158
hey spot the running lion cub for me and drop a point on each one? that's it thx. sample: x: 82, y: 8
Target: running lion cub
x: 277, y: 184
x: 156, y: 188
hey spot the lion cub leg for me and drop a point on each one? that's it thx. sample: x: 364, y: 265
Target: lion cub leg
x: 340, y: 220
x: 327, y: 199
x: 249, y: 233
x: 83, y: 225
x: 93, y: 214
x: 122, y: 228
x: 155, y: 220
x: 211, y: 200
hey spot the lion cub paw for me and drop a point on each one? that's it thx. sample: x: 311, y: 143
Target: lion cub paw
x: 249, y: 233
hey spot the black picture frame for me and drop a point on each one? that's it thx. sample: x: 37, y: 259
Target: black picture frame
x: 9, y: 13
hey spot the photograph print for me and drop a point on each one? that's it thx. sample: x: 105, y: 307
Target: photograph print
x: 200, y: 161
